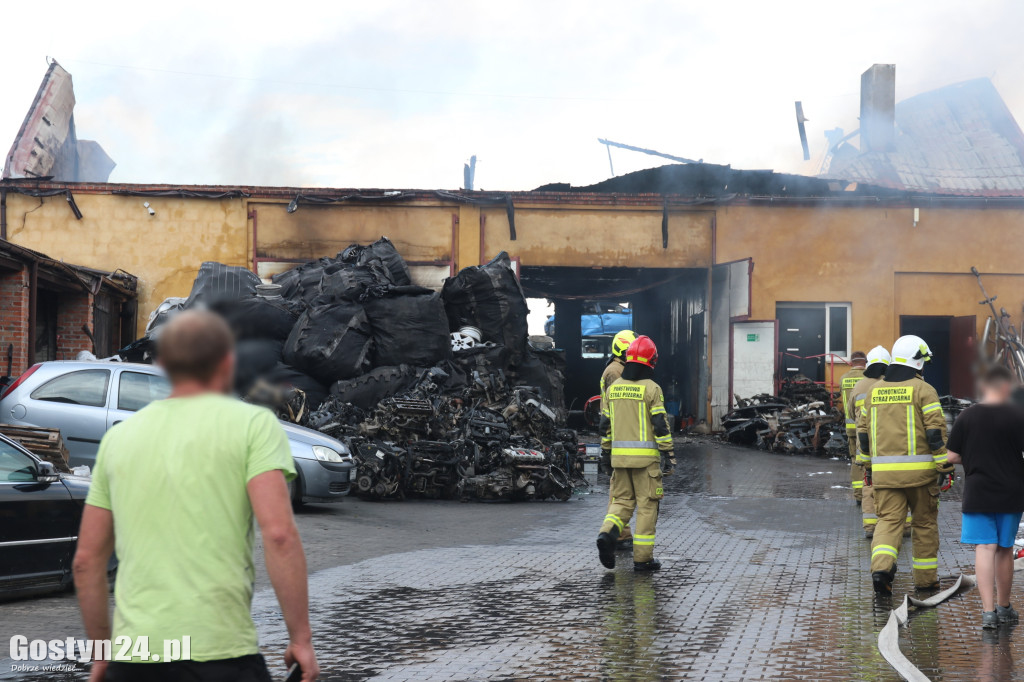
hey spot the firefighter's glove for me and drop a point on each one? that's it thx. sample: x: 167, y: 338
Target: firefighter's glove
x: 867, y: 477
x: 605, y: 464
x: 668, y: 463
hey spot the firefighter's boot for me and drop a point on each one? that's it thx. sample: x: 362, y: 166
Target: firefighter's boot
x: 647, y: 566
x: 882, y: 580
x: 606, y: 547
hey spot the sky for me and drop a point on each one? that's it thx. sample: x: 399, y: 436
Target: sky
x: 394, y: 94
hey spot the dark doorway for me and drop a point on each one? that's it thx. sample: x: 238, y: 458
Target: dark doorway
x: 952, y: 340
x: 801, y: 337
x: 666, y: 304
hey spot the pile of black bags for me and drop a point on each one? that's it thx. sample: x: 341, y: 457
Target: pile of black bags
x: 354, y: 326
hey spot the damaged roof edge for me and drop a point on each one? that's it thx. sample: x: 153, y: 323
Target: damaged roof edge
x: 679, y: 200
x: 90, y: 279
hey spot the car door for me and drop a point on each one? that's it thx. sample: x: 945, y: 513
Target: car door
x: 132, y: 391
x: 75, y: 403
x: 38, y: 523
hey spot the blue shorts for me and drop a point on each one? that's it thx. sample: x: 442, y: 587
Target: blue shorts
x: 990, y: 529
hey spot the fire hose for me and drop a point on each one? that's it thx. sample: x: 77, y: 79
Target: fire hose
x: 889, y: 638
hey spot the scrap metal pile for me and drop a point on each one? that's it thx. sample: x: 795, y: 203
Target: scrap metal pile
x: 437, y: 394
x: 800, y: 420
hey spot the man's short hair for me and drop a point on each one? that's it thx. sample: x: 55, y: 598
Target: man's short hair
x: 193, y: 344
x: 997, y: 374
x: 858, y: 356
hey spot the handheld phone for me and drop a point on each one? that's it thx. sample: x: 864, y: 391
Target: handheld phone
x: 294, y: 674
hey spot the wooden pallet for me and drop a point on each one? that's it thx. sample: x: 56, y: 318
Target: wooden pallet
x: 46, y: 444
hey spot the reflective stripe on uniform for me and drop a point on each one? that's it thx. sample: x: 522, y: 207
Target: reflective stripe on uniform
x: 939, y: 459
x: 643, y: 420
x: 885, y: 549
x: 857, y: 484
x: 633, y: 444
x: 931, y: 407
x: 643, y: 539
x: 925, y: 564
x: 874, y: 431
x: 902, y: 462
x: 616, y: 521
x: 658, y: 410
x: 911, y: 432
x: 870, y: 519
x: 862, y: 458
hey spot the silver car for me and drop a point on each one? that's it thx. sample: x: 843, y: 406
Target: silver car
x: 85, y: 398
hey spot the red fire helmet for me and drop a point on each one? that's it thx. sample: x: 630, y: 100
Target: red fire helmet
x: 643, y: 351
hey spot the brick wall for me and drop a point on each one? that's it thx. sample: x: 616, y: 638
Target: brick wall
x: 14, y: 320
x: 73, y: 311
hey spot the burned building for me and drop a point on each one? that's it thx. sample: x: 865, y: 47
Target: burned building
x: 742, y: 277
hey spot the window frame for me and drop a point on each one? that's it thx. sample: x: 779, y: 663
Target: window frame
x: 32, y: 461
x: 150, y: 376
x: 827, y: 307
x: 65, y: 375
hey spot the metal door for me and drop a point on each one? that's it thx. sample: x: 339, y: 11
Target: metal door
x: 963, y: 352
x: 802, y: 335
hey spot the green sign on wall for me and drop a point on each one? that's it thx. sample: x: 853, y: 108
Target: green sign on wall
x: 752, y: 338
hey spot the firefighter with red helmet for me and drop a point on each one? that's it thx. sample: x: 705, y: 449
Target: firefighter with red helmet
x: 635, y: 437
x: 612, y: 373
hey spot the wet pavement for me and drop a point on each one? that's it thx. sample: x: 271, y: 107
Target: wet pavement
x: 765, y: 578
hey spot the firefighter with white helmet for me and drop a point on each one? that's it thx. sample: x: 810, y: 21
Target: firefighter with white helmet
x: 611, y: 374
x: 636, y: 437
x: 901, y: 433
x: 877, y: 362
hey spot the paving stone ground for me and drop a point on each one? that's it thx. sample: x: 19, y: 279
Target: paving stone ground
x: 765, y: 578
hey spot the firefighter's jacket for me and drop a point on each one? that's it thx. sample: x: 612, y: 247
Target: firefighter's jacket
x: 846, y: 384
x: 902, y: 434
x: 634, y: 426
x: 857, y: 396
x: 611, y: 374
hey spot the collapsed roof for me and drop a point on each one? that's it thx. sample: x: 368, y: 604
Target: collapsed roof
x: 47, y: 144
x: 958, y: 140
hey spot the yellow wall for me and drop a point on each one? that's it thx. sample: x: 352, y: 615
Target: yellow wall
x: 872, y: 257
x: 164, y: 251
x: 875, y: 259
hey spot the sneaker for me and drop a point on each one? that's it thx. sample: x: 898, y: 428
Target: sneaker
x: 1007, y: 615
x: 882, y: 580
x: 989, y: 620
x: 647, y: 566
x: 606, y: 549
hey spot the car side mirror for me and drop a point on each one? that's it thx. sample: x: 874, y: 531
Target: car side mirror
x: 47, y: 473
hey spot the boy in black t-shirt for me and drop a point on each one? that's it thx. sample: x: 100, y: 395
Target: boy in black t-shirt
x: 988, y: 439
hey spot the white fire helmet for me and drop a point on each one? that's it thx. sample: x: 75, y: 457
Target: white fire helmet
x: 911, y: 351
x: 879, y: 354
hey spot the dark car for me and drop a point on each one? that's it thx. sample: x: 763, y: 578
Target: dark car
x: 40, y: 511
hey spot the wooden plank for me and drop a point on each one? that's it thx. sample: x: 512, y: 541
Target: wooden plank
x: 46, y: 444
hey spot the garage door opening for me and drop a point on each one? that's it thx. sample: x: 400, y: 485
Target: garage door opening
x: 592, y: 304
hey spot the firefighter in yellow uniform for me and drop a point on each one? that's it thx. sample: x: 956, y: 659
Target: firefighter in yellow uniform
x: 877, y: 362
x: 857, y: 363
x: 635, y: 437
x: 902, y: 431
x: 620, y: 343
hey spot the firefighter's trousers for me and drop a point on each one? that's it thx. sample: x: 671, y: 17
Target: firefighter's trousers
x: 638, y: 489
x: 856, y: 470
x: 891, y: 505
x: 857, y: 481
x: 626, y: 533
x: 868, y: 515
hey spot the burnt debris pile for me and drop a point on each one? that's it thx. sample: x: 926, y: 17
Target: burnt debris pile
x: 437, y: 394
x: 802, y: 419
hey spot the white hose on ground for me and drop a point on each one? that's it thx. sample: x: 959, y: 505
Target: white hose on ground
x: 889, y: 637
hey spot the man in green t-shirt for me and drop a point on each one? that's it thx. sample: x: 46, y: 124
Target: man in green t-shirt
x: 174, y: 492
